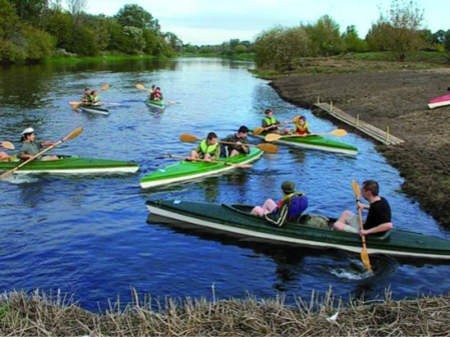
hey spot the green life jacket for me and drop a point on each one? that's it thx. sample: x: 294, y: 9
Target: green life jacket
x: 210, y: 149
x: 270, y: 121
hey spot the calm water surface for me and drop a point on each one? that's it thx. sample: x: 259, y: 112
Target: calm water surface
x: 88, y: 236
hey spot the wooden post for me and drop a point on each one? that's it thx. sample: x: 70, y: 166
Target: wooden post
x: 387, y: 135
x: 357, y: 119
x: 318, y: 99
x: 331, y: 106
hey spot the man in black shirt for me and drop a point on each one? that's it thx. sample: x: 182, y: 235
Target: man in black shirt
x: 378, y: 218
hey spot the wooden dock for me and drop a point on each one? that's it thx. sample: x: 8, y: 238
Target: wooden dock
x: 380, y: 135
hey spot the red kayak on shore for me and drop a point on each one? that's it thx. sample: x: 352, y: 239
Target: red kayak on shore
x: 439, y: 101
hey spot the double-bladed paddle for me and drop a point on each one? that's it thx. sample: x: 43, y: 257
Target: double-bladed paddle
x: 364, y: 254
x: 261, y: 129
x: 71, y: 135
x: 207, y: 161
x: 269, y: 148
x: 275, y: 136
x: 7, y: 145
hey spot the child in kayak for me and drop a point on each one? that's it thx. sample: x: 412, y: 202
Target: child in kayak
x: 289, y: 208
x: 301, y: 127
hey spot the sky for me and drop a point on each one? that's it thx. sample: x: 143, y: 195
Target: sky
x: 202, y: 22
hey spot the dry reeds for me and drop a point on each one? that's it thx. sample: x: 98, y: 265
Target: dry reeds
x: 38, y: 314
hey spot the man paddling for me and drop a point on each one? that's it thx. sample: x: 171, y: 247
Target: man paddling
x: 30, y: 147
x: 378, y: 218
x: 239, y: 139
x: 208, y: 149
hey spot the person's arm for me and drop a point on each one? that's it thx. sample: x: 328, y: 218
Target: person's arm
x: 377, y: 229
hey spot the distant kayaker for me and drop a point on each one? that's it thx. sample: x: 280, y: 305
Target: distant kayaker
x: 208, y: 149
x: 86, y: 94
x: 30, y: 147
x: 289, y: 208
x: 94, y: 98
x: 301, y: 127
x: 378, y: 218
x: 155, y: 93
x: 151, y: 92
x: 239, y: 138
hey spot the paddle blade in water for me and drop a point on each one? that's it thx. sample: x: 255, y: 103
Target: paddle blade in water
x: 269, y: 148
x: 365, y: 259
x: 105, y: 86
x: 186, y: 137
x: 258, y: 131
x: 338, y: 133
x: 140, y: 86
x: 7, y: 145
x: 272, y: 137
x: 75, y: 105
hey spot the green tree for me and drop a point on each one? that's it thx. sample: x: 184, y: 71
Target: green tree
x: 60, y: 25
x: 136, y: 16
x: 399, y: 31
x: 352, y: 42
x: 30, y: 10
x: 325, y: 37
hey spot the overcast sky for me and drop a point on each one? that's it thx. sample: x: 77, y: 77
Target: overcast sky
x: 216, y: 21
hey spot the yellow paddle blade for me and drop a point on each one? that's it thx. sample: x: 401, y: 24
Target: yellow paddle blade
x: 186, y: 137
x: 7, y: 145
x: 140, y: 86
x: 75, y: 105
x: 272, y: 137
x: 338, y: 133
x: 365, y: 259
x: 356, y: 189
x: 73, y: 134
x: 269, y: 148
x: 258, y: 131
x: 105, y: 86
x: 295, y: 119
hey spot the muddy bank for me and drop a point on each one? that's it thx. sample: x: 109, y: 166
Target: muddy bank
x: 394, y: 98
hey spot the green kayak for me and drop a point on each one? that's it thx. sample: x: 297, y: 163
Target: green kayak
x: 73, y: 165
x: 311, y: 231
x: 155, y: 104
x: 316, y: 142
x: 188, y: 170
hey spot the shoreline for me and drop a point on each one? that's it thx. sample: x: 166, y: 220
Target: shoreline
x: 398, y: 99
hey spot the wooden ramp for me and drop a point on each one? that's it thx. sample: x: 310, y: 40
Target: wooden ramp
x: 382, y: 136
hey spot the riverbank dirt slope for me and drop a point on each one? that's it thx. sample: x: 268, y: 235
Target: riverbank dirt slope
x: 398, y: 99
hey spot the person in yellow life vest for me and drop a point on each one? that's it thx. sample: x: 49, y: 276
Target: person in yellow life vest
x: 270, y: 124
x: 86, y: 95
x: 301, y: 127
x: 208, y: 149
x: 94, y: 98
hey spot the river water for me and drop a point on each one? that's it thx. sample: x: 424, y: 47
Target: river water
x: 88, y: 236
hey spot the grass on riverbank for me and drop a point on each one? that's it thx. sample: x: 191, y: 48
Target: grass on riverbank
x: 40, y: 315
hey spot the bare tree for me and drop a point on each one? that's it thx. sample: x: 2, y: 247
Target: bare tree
x: 76, y: 6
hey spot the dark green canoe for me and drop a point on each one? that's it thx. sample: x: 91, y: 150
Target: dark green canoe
x: 235, y: 220
x: 94, y: 109
x: 189, y: 170
x: 316, y: 142
x: 73, y: 165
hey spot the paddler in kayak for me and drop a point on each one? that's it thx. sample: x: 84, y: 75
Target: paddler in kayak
x: 240, y: 139
x: 94, y: 99
x: 208, y: 149
x: 86, y: 94
x: 270, y: 124
x: 30, y: 147
x: 289, y: 208
x: 301, y: 127
x: 378, y: 218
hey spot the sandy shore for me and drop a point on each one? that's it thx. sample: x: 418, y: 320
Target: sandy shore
x: 398, y: 99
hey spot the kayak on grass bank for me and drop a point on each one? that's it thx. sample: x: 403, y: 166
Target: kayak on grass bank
x: 189, y: 170
x: 72, y: 165
x: 315, y: 142
x: 311, y: 231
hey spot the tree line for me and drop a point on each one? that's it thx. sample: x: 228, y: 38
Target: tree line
x: 31, y: 30
x: 397, y: 32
